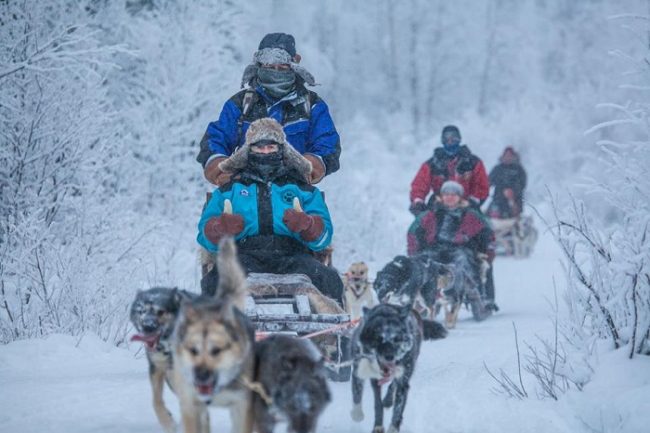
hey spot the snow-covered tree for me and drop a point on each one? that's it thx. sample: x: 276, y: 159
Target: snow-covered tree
x: 609, y: 254
x: 56, y: 148
x: 101, y: 108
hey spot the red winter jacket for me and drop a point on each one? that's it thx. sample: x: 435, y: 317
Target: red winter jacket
x: 466, y: 227
x: 464, y: 168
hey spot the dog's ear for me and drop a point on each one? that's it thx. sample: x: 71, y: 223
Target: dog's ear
x: 365, y: 310
x: 190, y: 312
x: 180, y: 297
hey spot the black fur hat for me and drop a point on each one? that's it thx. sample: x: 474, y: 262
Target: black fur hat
x: 279, y: 40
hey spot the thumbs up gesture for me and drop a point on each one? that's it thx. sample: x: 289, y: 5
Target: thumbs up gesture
x: 227, y: 224
x: 310, y: 227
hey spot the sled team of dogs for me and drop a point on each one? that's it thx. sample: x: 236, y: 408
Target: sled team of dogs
x: 204, y: 348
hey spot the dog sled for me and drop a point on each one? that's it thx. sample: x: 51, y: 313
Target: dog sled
x: 515, y: 237
x: 291, y: 304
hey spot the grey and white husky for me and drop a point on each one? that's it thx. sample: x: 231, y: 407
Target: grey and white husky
x: 153, y: 314
x: 385, y: 348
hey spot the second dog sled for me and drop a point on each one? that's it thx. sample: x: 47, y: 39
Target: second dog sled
x: 515, y: 237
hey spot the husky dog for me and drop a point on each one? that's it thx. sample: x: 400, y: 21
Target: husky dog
x: 357, y: 290
x: 153, y: 314
x: 292, y: 373
x: 414, y: 281
x: 469, y: 272
x: 385, y: 347
x: 525, y: 236
x: 514, y: 236
x: 212, y: 351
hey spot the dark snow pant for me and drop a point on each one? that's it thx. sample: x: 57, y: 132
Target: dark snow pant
x: 500, y: 208
x: 489, y: 284
x: 293, y: 260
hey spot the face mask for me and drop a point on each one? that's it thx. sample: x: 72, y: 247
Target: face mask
x: 268, y: 166
x: 450, y: 142
x: 276, y: 83
x: 451, y: 149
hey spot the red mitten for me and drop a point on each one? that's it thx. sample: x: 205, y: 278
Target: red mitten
x: 224, y: 225
x: 310, y: 227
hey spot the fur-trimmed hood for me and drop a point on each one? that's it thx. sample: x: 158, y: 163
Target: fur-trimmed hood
x: 267, y: 129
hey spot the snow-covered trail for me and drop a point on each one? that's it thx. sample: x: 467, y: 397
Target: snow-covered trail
x: 62, y: 385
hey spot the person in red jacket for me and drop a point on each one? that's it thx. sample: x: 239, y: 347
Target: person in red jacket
x: 451, y: 161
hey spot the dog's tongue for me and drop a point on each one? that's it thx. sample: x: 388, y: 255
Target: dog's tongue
x: 387, y: 372
x: 149, y: 340
x: 205, y: 389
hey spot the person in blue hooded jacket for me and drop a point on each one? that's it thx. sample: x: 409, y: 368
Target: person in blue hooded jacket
x: 275, y: 87
x: 275, y: 216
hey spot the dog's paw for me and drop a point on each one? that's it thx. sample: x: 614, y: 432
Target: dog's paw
x: 378, y: 430
x: 392, y: 429
x: 450, y: 324
x: 357, y: 413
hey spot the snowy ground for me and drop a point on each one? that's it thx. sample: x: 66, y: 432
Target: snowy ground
x: 61, y: 384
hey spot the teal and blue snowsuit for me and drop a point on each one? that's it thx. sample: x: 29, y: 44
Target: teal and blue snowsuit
x: 266, y: 244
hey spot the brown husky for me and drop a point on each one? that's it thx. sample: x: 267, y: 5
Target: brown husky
x: 357, y: 290
x: 213, y: 351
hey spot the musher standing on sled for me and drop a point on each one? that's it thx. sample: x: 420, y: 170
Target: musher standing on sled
x: 275, y: 88
x: 509, y: 181
x: 451, y: 161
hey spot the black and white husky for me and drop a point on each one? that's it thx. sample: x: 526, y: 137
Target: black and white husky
x: 412, y: 281
x: 385, y: 348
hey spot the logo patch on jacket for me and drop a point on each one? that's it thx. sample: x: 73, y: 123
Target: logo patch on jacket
x: 287, y: 196
x: 244, y: 192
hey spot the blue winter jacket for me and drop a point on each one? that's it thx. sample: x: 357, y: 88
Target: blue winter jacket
x: 311, y: 131
x: 247, y: 198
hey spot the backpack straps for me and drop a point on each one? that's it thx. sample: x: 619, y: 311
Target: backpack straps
x: 250, y: 97
x: 307, y: 105
x: 247, y: 103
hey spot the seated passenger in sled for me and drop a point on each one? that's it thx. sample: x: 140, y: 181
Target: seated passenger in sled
x: 455, y: 233
x: 275, y: 216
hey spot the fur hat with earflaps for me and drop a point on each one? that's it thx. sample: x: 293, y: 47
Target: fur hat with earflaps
x: 276, y: 48
x: 267, y: 129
